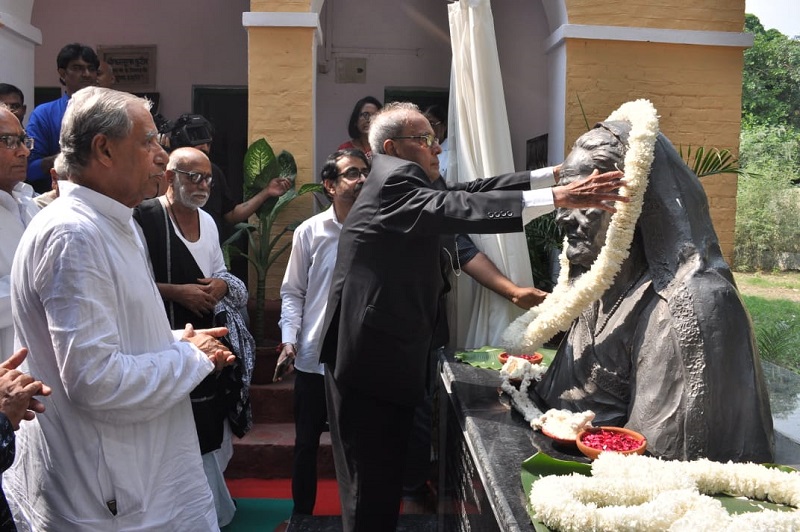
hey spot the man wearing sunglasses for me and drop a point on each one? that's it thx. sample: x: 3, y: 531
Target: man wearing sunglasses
x: 16, y: 210
x: 196, y: 288
x: 383, y: 303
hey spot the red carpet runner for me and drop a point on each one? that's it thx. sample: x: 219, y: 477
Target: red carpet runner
x: 253, y: 488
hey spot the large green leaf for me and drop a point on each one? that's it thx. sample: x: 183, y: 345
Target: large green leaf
x: 260, y: 167
x: 288, y: 167
x: 541, y: 464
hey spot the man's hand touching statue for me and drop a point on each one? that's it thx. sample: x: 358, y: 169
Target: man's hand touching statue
x: 597, y: 191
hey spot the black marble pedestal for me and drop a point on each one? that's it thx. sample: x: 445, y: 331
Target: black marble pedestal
x: 482, y: 443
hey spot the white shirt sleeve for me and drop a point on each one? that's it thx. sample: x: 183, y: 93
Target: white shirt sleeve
x: 539, y: 200
x: 294, y: 287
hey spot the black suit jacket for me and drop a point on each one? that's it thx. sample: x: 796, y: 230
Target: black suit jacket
x: 383, y: 303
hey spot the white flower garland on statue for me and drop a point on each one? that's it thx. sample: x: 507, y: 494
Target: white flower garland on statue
x: 559, y: 310
x: 632, y: 492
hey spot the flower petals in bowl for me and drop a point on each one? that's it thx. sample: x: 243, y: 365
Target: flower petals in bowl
x: 592, y: 441
x: 535, y: 358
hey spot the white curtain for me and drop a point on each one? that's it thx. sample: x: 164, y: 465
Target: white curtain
x: 481, y: 147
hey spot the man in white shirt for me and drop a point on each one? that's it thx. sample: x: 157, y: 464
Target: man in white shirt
x: 304, y: 294
x: 16, y: 210
x: 117, y: 449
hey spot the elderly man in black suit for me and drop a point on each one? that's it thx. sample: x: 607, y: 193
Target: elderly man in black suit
x: 383, y: 303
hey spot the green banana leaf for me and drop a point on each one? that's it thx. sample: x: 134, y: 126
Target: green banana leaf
x: 486, y: 357
x: 541, y: 464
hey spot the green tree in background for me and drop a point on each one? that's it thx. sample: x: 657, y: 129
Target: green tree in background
x: 767, y: 214
x: 771, y: 80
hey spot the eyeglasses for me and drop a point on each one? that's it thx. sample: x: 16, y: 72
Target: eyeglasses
x: 354, y: 173
x: 13, y: 106
x: 428, y: 139
x: 366, y: 116
x: 79, y: 69
x: 13, y: 142
x: 196, y: 177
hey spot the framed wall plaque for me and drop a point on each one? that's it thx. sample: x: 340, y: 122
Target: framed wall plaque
x: 134, y: 66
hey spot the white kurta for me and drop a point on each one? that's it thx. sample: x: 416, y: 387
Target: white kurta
x: 16, y: 211
x: 118, y: 431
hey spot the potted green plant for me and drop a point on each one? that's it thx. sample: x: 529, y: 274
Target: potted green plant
x: 264, y: 240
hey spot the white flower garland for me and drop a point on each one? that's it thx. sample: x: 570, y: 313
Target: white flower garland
x: 632, y: 492
x: 558, y: 311
x: 517, y: 367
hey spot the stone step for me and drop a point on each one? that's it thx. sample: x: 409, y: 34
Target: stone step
x: 273, y: 402
x: 266, y: 452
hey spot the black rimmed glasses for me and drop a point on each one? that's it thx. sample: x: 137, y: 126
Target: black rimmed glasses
x: 354, y: 173
x: 366, y: 116
x: 196, y: 177
x: 429, y: 140
x: 12, y: 142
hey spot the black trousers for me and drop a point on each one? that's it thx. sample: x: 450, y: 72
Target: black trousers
x: 310, y: 415
x: 370, y: 439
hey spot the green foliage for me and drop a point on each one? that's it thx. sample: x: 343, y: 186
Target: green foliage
x: 777, y: 329
x: 260, y: 167
x: 773, y: 152
x: 767, y: 214
x: 771, y: 77
x: 711, y: 161
x: 543, y: 236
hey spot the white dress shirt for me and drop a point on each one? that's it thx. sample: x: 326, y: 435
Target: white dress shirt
x: 16, y: 211
x: 304, y: 292
x: 118, y: 436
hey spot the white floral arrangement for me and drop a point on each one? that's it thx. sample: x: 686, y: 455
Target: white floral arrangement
x: 563, y: 424
x: 632, y: 492
x: 559, y: 310
x: 520, y: 369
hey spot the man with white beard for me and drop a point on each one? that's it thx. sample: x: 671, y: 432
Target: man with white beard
x: 190, y: 273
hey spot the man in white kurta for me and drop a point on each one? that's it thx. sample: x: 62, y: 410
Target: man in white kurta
x: 117, y: 449
x: 16, y: 210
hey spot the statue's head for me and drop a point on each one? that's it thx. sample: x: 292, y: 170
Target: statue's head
x: 602, y: 148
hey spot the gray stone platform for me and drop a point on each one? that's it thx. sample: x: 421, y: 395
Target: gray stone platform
x: 784, y: 398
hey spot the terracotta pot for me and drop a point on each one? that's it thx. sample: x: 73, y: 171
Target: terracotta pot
x: 593, y: 453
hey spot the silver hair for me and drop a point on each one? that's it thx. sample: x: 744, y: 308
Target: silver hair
x: 94, y: 111
x: 389, y: 122
x: 60, y: 166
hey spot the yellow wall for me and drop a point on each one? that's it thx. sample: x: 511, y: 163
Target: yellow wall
x: 286, y: 6
x: 709, y: 15
x: 696, y: 90
x: 281, y: 105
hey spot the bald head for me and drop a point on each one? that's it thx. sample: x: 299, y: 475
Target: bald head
x: 189, y: 177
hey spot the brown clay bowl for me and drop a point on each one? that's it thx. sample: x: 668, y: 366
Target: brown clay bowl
x: 594, y: 452
x: 535, y: 358
x: 559, y: 441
